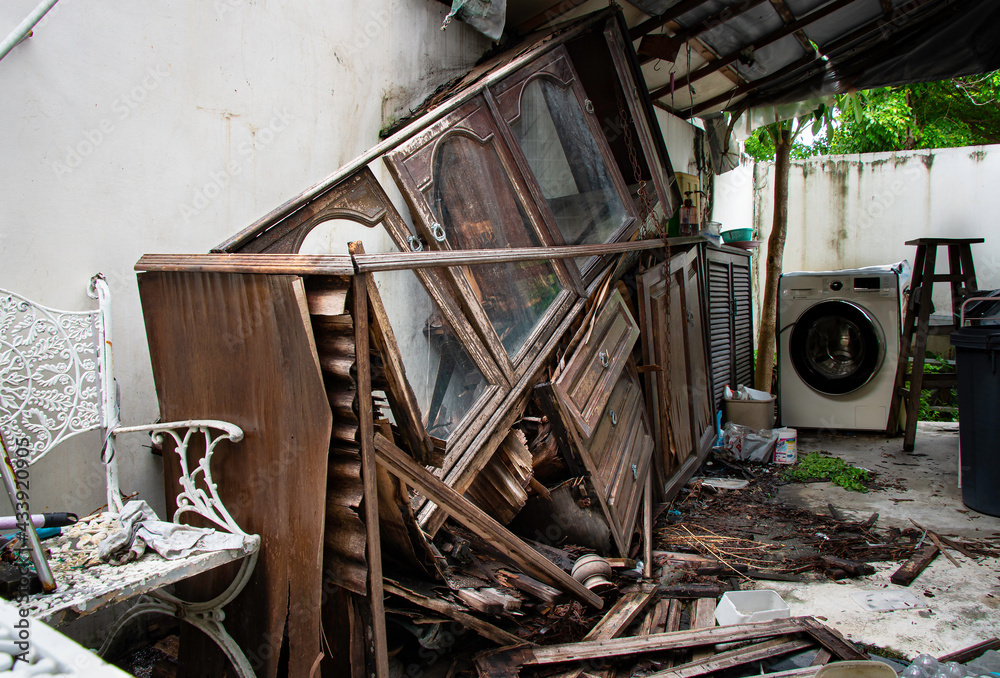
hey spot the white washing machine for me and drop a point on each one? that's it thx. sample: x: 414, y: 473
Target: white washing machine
x: 838, y: 346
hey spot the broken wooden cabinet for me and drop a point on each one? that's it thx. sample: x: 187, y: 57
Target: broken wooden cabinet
x: 673, y: 340
x: 599, y: 403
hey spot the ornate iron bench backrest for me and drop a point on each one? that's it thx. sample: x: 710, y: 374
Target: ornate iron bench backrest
x: 56, y: 375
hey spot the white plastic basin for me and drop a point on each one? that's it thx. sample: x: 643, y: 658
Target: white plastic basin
x: 743, y: 607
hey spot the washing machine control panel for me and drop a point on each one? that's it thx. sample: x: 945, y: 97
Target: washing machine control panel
x: 840, y: 287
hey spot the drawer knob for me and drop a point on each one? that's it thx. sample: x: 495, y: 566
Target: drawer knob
x: 614, y: 417
x: 605, y: 358
x: 635, y: 472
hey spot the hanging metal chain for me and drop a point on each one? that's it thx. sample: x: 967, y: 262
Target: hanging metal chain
x: 646, y: 201
x: 646, y: 215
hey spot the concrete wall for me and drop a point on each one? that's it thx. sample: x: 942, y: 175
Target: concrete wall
x: 134, y: 127
x: 858, y: 210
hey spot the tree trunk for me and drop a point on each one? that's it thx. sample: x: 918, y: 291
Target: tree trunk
x: 767, y: 336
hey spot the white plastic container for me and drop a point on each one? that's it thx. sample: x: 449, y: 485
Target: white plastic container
x: 856, y: 669
x: 744, y: 607
x: 785, y: 452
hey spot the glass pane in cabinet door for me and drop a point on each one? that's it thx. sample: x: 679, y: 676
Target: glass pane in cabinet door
x: 445, y: 380
x: 568, y: 165
x: 474, y: 200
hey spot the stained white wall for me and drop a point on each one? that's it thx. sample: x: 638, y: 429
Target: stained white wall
x: 857, y: 210
x: 139, y: 126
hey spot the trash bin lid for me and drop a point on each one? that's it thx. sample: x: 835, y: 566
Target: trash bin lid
x: 982, y: 338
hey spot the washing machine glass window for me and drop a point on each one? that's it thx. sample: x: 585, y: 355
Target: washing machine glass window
x: 836, y: 347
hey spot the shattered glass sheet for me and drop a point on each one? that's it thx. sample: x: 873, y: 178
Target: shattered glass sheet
x: 886, y: 601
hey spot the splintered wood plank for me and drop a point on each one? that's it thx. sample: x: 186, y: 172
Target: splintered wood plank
x: 474, y: 518
x: 621, y: 615
x: 434, y: 604
x: 237, y: 348
x: 530, y: 585
x: 738, y: 657
x: 656, y: 619
x: 703, y: 617
x: 380, y: 646
x: 916, y: 563
x: 508, y: 661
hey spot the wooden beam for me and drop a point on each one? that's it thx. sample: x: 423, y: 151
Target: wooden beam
x: 391, y: 261
x: 786, y: 15
x: 474, y: 518
x: 291, y: 264
x: 373, y: 545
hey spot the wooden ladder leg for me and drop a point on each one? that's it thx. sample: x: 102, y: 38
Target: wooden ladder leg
x: 906, y: 343
x: 919, y: 349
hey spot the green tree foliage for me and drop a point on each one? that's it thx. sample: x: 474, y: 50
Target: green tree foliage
x: 958, y: 112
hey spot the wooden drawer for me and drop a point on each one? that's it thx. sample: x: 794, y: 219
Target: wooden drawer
x: 585, y: 386
x: 621, y: 448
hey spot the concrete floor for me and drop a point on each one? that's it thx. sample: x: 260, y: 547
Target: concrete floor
x: 963, y: 604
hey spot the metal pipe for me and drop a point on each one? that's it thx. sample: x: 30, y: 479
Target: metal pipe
x: 23, y: 28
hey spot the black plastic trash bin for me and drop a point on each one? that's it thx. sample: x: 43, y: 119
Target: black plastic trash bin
x: 977, y: 356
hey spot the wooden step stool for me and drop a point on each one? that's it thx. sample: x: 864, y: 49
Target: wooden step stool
x: 916, y: 326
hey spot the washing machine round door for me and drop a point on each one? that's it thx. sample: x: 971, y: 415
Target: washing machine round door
x: 836, y: 347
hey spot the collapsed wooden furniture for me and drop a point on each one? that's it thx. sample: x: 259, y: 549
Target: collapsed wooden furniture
x: 58, y: 382
x: 492, y: 328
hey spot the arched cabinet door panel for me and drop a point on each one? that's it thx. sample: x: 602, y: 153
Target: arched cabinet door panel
x: 556, y: 138
x: 466, y: 192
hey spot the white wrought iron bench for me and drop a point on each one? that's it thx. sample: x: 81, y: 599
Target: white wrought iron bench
x: 57, y: 381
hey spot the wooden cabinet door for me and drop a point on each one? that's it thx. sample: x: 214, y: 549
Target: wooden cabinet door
x: 466, y: 192
x: 679, y: 394
x: 557, y: 141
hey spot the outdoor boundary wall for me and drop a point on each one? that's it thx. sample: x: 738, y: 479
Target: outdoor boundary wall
x: 847, y: 211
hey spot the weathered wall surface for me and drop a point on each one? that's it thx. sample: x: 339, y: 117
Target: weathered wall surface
x: 858, y: 210
x: 134, y: 127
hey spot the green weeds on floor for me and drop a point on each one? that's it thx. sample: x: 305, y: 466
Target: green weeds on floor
x: 817, y: 466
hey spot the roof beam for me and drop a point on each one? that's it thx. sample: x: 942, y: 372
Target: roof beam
x: 547, y: 16
x: 681, y: 8
x: 666, y: 47
x: 809, y: 60
x: 772, y: 37
x: 786, y: 15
